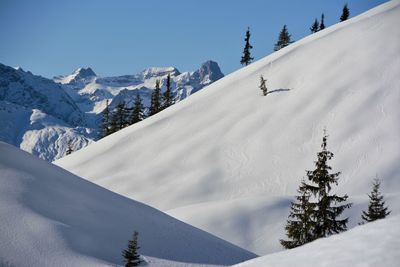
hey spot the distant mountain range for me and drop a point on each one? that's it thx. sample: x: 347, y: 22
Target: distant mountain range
x: 42, y: 116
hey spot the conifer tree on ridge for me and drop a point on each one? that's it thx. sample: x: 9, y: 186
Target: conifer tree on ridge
x: 137, y: 110
x: 246, y: 58
x: 376, y: 208
x: 167, y: 96
x: 322, y: 24
x: 262, y: 86
x: 314, y: 27
x: 345, y: 13
x: 105, y: 124
x: 284, y: 39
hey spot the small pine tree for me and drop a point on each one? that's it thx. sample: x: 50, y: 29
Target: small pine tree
x: 376, y: 207
x: 246, y: 58
x: 284, y: 39
x: 69, y: 149
x: 262, y: 86
x: 155, y: 105
x: 105, y: 124
x: 314, y: 27
x: 327, y: 209
x: 121, y: 116
x: 137, y: 111
x: 300, y: 226
x: 322, y: 24
x: 131, y: 256
x: 167, y: 96
x: 345, y: 13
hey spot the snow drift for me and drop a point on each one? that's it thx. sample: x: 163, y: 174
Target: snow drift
x: 238, y: 157
x: 50, y: 217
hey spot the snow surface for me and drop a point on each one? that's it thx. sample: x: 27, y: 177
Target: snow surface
x: 229, y: 160
x: 50, y: 217
x: 369, y: 245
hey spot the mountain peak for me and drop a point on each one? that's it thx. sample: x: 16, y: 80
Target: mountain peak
x: 159, y: 71
x: 84, y: 73
x: 208, y: 72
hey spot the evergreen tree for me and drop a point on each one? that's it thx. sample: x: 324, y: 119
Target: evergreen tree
x: 345, y: 13
x: 246, y: 58
x: 155, y: 105
x: 105, y: 124
x: 327, y: 209
x: 120, y: 118
x: 167, y: 96
x: 284, y: 39
x: 262, y: 86
x: 322, y: 24
x: 131, y: 256
x: 314, y: 27
x: 300, y: 226
x: 376, y: 207
x: 69, y: 149
x: 137, y: 111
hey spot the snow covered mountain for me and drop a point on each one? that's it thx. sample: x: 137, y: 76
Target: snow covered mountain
x: 228, y: 160
x: 42, y: 117
x: 50, y: 217
x: 37, y: 115
x: 91, y: 92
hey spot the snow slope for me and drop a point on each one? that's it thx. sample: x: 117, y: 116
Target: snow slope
x: 50, y: 217
x: 227, y: 150
x: 372, y: 244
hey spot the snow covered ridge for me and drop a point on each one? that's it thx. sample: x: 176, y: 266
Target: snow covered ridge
x: 72, y: 107
x: 373, y: 244
x: 50, y: 217
x: 229, y: 160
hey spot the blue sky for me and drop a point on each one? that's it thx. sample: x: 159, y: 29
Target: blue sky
x: 115, y: 37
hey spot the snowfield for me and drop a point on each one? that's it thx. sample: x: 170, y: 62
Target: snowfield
x: 372, y: 244
x: 229, y: 160
x: 50, y: 217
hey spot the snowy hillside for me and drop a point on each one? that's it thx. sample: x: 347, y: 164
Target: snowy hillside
x: 238, y: 157
x: 54, y: 218
x: 42, y: 117
x: 373, y: 244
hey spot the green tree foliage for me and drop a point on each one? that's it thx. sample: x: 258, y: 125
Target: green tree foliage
x: 131, y: 255
x: 155, y: 105
x: 263, y: 86
x: 316, y: 212
x: 168, y: 99
x: 322, y: 24
x: 284, y: 39
x: 246, y: 58
x: 137, y: 110
x: 300, y: 226
x: 376, y: 208
x: 327, y: 212
x: 345, y: 13
x: 105, y: 123
x: 315, y: 26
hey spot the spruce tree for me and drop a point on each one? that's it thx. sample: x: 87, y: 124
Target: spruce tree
x: 131, y: 256
x: 376, y: 207
x: 121, y: 116
x: 327, y: 209
x: 69, y: 148
x: 314, y: 27
x: 105, y: 124
x: 345, y: 13
x: 322, y: 24
x: 300, y: 226
x: 167, y: 96
x: 284, y: 39
x: 137, y: 111
x: 246, y: 58
x: 155, y: 105
x: 262, y: 86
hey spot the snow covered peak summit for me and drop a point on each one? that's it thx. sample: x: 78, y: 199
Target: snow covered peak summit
x: 208, y: 72
x: 79, y: 76
x: 159, y: 71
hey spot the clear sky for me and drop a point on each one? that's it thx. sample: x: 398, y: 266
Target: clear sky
x: 116, y: 37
